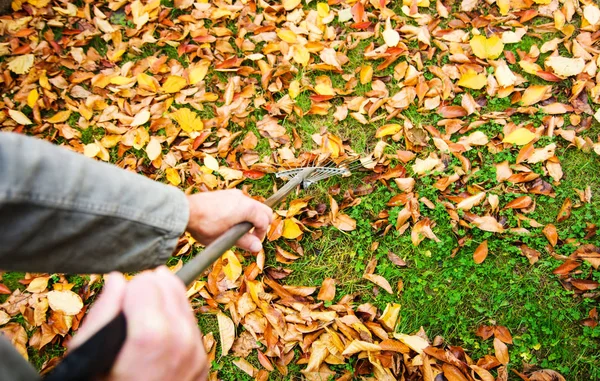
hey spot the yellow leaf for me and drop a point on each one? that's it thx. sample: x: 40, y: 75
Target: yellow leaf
x: 322, y: 10
x: 211, y: 163
x: 420, y: 3
x: 288, y: 5
x: 416, y: 343
x: 487, y: 47
x: 291, y: 230
x: 530, y: 67
x: 19, y: 117
x: 233, y: 268
x: 543, y: 2
x: 38, y: 285
x: 32, y: 98
x: 198, y: 72
x: 301, y: 55
x: 389, y: 317
x: 120, y: 80
x: 520, y: 137
x: 141, y: 118
x: 140, y: 138
x: 472, y: 80
x: 146, y: 82
x: 39, y: 3
x: 366, y: 74
x: 91, y: 150
x: 294, y: 89
x: 357, y: 346
x: 388, y: 129
x: 226, y: 332
x: 503, y: 6
x: 153, y: 149
x: 533, y: 94
x: 174, y: 84
x: 44, y: 81
x: 60, y: 117
x: 287, y: 36
x: 324, y: 86
x: 173, y: 176
x: 21, y: 64
x: 66, y: 302
x: 187, y: 120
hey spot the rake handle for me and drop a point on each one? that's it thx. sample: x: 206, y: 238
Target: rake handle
x: 97, y: 355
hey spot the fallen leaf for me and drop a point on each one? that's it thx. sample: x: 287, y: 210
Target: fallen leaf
x: 486, y: 48
x: 327, y: 291
x: 520, y: 137
x: 481, y: 252
x: 226, y: 332
x: 66, y: 302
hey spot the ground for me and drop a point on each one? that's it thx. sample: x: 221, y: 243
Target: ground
x: 450, y: 95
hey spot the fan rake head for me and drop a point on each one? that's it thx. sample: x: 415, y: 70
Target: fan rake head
x: 319, y: 173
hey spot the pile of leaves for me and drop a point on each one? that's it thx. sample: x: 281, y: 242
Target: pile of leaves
x: 209, y: 95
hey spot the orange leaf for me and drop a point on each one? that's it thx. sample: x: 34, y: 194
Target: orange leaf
x: 481, y: 252
x: 327, y: 291
x: 503, y: 334
x: 501, y: 351
x: 519, y: 203
x: 551, y: 234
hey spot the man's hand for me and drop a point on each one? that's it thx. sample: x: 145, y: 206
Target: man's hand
x: 163, y: 339
x: 213, y: 213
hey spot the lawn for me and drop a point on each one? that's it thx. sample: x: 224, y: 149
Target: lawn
x: 479, y: 127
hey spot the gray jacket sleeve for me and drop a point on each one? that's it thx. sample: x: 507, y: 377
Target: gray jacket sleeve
x: 63, y: 212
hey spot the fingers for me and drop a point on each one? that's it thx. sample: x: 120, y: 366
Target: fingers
x: 163, y: 339
x: 257, y: 213
x: 249, y: 242
x: 105, y: 308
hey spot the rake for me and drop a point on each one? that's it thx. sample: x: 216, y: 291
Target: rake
x: 96, y: 356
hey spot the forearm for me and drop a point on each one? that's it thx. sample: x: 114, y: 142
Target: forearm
x: 63, y: 212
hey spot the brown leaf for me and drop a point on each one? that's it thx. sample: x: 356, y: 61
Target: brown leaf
x: 485, y: 331
x: 565, y: 210
x: 567, y: 266
x: 503, y: 334
x: 546, y: 375
x: 327, y: 291
x: 380, y: 281
x: 585, y: 284
x: 396, y: 259
x: 481, y: 252
x: 532, y: 255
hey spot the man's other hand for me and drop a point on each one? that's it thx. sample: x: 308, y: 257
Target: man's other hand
x: 213, y: 213
x: 163, y: 338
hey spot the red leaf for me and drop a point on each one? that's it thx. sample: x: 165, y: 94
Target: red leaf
x: 254, y: 175
x: 4, y: 290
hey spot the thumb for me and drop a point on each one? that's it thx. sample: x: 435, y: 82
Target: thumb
x: 105, y: 308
